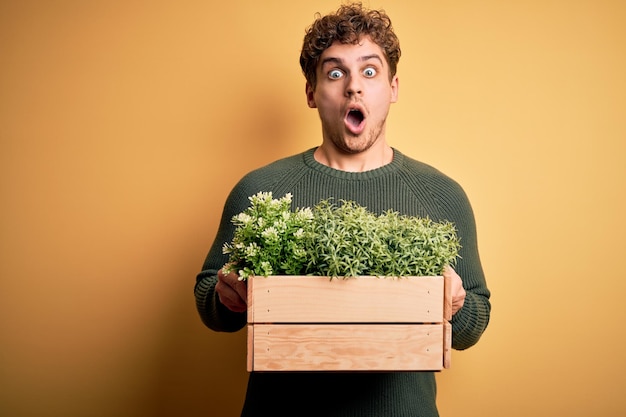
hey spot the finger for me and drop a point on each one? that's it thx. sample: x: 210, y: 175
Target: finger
x: 242, y: 290
x: 232, y: 293
x: 232, y: 281
x: 236, y: 305
x: 230, y: 298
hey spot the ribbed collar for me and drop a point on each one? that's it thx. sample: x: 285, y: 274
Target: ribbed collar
x: 389, y: 168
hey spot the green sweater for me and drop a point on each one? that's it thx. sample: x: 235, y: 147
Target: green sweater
x: 404, y: 185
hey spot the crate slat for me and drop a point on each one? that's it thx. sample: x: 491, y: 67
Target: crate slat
x: 306, y: 299
x: 447, y: 345
x: 347, y: 347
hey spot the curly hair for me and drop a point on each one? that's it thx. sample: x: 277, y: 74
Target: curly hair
x: 348, y: 25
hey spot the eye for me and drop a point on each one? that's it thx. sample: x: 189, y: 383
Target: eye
x: 369, y: 72
x: 335, y: 74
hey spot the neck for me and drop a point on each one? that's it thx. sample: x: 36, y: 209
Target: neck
x: 372, y: 158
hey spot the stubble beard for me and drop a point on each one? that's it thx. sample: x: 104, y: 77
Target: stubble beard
x: 349, y: 143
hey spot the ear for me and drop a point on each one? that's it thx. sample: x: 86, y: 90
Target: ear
x: 395, y: 84
x: 310, y: 96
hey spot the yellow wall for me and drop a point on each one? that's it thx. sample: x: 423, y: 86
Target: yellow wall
x: 123, y: 125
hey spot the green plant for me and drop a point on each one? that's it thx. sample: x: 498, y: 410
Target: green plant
x: 269, y: 238
x: 336, y: 240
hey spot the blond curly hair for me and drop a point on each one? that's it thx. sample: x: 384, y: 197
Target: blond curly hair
x: 348, y: 25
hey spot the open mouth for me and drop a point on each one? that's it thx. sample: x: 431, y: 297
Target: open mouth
x: 355, y: 117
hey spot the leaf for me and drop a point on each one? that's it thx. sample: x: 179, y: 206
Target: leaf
x: 342, y: 239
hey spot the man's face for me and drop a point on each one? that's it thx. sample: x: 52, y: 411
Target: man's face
x: 353, y: 95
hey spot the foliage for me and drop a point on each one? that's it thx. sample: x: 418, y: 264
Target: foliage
x: 269, y: 238
x: 336, y: 240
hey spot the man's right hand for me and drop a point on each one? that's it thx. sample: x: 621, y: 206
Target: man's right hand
x: 232, y: 292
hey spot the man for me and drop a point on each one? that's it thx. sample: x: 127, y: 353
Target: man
x: 349, y: 59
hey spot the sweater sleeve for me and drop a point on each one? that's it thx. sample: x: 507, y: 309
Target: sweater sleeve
x: 212, y: 312
x: 469, y: 323
x: 444, y: 199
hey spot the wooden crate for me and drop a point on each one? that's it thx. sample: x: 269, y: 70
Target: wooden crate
x: 309, y: 323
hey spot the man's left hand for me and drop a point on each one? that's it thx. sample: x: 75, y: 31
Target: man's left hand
x: 458, y: 292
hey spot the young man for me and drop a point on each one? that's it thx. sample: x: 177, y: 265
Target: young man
x: 349, y: 59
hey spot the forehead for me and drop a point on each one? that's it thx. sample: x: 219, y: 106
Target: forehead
x: 364, y: 50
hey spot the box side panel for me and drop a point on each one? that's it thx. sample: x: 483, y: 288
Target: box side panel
x: 353, y: 347
x: 250, y: 352
x: 447, y: 298
x: 447, y: 345
x: 287, y: 299
x: 250, y: 300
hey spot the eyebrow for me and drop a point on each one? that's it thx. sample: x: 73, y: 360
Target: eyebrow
x: 363, y: 58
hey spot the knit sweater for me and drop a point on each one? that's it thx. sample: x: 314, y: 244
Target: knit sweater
x: 404, y: 185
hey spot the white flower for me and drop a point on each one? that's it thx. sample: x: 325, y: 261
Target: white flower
x: 243, y: 218
x: 304, y: 214
x: 252, y: 249
x: 226, y: 248
x: 270, y: 233
x: 280, y: 226
x: 266, y: 267
x: 242, y: 275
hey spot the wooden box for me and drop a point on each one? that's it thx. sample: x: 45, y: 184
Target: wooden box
x: 307, y: 323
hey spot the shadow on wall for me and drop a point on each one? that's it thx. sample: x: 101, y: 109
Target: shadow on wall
x: 198, y: 371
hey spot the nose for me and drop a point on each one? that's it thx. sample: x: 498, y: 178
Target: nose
x: 353, y: 86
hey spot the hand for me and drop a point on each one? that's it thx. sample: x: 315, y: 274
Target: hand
x: 458, y: 292
x: 232, y: 292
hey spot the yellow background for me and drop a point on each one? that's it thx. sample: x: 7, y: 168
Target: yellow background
x: 124, y: 124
